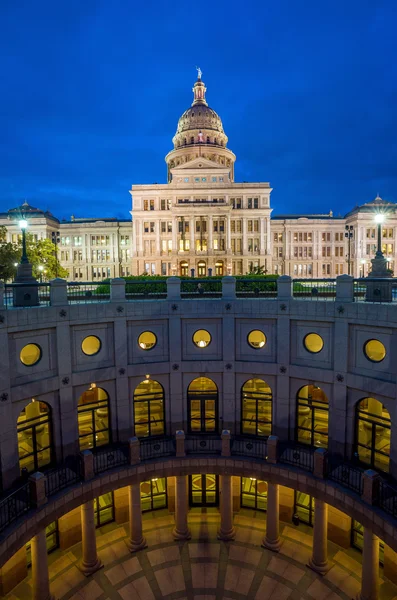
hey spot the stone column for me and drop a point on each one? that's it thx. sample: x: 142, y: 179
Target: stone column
x: 272, y: 538
x: 181, y: 530
x: 136, y: 540
x: 210, y: 224
x: 40, y: 579
x: 319, y: 559
x: 370, y: 567
x: 226, y: 531
x: 90, y: 561
x: 228, y: 234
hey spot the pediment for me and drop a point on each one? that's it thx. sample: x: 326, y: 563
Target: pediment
x: 200, y: 163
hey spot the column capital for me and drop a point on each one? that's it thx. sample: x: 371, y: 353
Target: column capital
x: 135, y: 453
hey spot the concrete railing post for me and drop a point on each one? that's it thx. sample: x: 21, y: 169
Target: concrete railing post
x: 284, y: 287
x: 272, y: 449
x: 135, y: 452
x: 320, y: 463
x: 180, y: 443
x: 58, y: 292
x: 225, y: 442
x: 117, y: 290
x: 228, y: 288
x: 344, y: 288
x: 37, y: 489
x: 371, y: 481
x: 173, y: 288
x: 87, y: 465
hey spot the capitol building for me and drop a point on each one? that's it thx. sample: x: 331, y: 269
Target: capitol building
x: 203, y: 222
x: 202, y: 441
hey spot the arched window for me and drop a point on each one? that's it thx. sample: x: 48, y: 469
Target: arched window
x: 94, y: 418
x: 373, y: 434
x: 312, y: 416
x: 35, y: 445
x: 219, y: 268
x: 149, y: 409
x: 256, y: 408
x: 202, y: 398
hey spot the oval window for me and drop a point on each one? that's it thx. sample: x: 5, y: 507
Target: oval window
x: 374, y: 350
x: 30, y: 355
x: 313, y: 342
x: 147, y: 340
x: 202, y: 338
x: 256, y: 339
x: 91, y: 345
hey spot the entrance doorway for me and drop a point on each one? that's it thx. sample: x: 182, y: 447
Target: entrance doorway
x: 204, y: 490
x: 184, y: 269
x: 202, y: 396
x: 201, y: 269
x: 219, y: 268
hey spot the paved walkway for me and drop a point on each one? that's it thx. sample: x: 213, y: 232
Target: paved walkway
x: 204, y: 568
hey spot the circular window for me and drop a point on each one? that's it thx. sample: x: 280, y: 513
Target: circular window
x: 147, y: 340
x: 30, y: 355
x: 313, y: 342
x: 256, y: 339
x: 91, y: 345
x: 374, y: 350
x: 202, y: 338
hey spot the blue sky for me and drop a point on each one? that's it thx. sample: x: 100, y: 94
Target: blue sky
x: 92, y: 92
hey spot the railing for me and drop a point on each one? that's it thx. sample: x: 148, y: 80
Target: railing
x: 195, y: 444
x: 14, y: 505
x: 349, y: 476
x: 144, y: 290
x: 387, y: 498
x: 61, y: 477
x: 297, y: 455
x: 157, y: 447
x: 314, y: 289
x: 375, y: 290
x: 85, y: 293
x: 26, y: 294
x: 201, y: 288
x: 254, y: 448
x: 252, y: 287
x: 110, y: 458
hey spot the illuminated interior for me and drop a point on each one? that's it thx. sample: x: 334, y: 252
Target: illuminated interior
x: 93, y: 418
x: 91, y: 345
x: 203, y: 405
x: 34, y: 436
x: 149, y: 409
x: 52, y: 541
x: 201, y: 338
x: 373, y: 434
x: 374, y: 350
x: 147, y: 340
x: 313, y: 343
x: 30, y: 355
x: 256, y: 410
x: 154, y: 494
x: 204, y: 490
x: 304, y: 507
x: 312, y: 416
x: 219, y: 268
x: 256, y: 339
x: 104, y: 509
x: 253, y: 493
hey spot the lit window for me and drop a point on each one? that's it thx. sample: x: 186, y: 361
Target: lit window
x: 256, y: 339
x: 203, y: 179
x: 147, y: 340
x: 30, y: 355
x: 91, y: 345
x: 374, y: 350
x: 202, y: 338
x: 313, y: 343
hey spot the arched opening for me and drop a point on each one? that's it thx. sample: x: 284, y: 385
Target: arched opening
x: 94, y: 418
x: 219, y: 268
x: 202, y: 399
x: 256, y: 408
x: 201, y: 268
x: 312, y: 416
x: 184, y: 268
x: 192, y: 140
x: 373, y: 434
x: 34, y: 429
x: 149, y: 409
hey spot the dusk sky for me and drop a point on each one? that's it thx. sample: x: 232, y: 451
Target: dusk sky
x: 91, y: 93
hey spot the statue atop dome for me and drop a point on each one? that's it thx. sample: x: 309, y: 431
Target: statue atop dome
x: 199, y: 72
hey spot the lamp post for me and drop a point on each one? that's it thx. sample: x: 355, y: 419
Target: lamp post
x: 379, y: 289
x: 41, y: 269
x: 379, y: 219
x: 23, y: 224
x: 25, y: 293
x: 56, y: 238
x: 349, y: 233
x: 362, y: 268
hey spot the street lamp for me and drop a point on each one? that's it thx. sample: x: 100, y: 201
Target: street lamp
x: 41, y: 269
x: 349, y: 233
x: 362, y: 268
x: 23, y: 225
x: 379, y: 219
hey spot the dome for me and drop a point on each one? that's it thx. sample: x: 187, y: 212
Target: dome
x: 199, y: 116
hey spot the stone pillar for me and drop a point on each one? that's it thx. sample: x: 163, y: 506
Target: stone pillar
x: 181, y: 530
x: 58, y: 292
x: 173, y: 288
x: 272, y: 538
x: 40, y: 579
x: 226, y: 531
x: 228, y: 234
x: 210, y: 233
x: 370, y: 567
x: 117, y: 290
x: 319, y: 559
x: 90, y: 561
x: 228, y: 288
x: 344, y: 288
x: 136, y: 540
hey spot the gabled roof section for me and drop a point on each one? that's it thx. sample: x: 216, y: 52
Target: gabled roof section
x: 200, y: 163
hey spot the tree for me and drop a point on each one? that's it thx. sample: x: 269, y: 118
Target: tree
x: 9, y: 256
x: 257, y: 270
